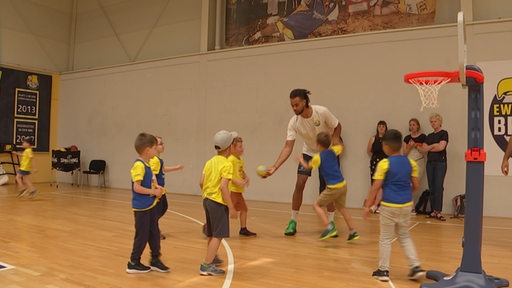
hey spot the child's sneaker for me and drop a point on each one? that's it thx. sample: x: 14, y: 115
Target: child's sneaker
x: 245, y: 232
x: 157, y: 265
x: 32, y: 194
x: 210, y: 270
x: 217, y: 261
x: 382, y: 275
x: 329, y: 232
x: 416, y: 273
x: 137, y: 268
x: 22, y: 192
x: 353, y: 236
x: 374, y: 209
x: 291, y: 229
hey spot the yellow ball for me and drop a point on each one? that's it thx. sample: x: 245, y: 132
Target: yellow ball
x: 261, y: 171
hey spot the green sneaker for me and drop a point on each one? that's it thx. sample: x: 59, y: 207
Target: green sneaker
x: 291, y: 229
x: 329, y: 232
x: 353, y: 236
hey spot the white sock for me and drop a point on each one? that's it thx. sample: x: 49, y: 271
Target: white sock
x: 331, y: 215
x: 295, y: 213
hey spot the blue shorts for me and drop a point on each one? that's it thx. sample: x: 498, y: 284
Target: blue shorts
x: 23, y: 172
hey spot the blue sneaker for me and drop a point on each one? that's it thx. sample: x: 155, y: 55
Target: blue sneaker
x: 210, y: 270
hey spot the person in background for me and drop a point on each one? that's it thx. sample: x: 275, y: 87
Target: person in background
x: 435, y: 147
x: 159, y: 170
x: 26, y: 168
x: 411, y: 143
x: 506, y: 156
x: 376, y: 153
x: 238, y: 183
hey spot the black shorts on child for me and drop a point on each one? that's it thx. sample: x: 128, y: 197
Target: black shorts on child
x: 217, y: 219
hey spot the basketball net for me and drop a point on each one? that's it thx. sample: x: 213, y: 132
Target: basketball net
x: 428, y: 90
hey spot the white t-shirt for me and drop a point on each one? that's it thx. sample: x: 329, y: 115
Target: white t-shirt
x: 322, y: 120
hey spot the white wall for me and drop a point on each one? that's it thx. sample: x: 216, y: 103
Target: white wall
x: 58, y: 36
x: 359, y: 77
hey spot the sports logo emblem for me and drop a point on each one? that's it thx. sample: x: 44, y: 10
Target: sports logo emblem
x: 500, y: 113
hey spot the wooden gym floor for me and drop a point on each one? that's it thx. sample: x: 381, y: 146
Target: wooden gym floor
x: 70, y: 237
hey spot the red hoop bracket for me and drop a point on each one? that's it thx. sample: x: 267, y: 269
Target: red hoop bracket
x: 425, y: 76
x: 476, y: 155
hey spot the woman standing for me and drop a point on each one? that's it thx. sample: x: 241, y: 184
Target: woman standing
x: 374, y: 150
x: 410, y: 149
x: 435, y: 147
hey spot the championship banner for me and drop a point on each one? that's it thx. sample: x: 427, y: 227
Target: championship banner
x: 25, y: 99
x: 253, y: 22
x: 497, y: 112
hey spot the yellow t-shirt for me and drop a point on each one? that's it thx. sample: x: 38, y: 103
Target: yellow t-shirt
x: 238, y: 173
x: 26, y: 160
x: 154, y: 163
x: 214, y: 170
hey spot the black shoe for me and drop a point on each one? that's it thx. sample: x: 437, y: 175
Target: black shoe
x: 416, y: 273
x: 245, y: 232
x: 157, y: 265
x: 137, y: 268
x: 382, y: 275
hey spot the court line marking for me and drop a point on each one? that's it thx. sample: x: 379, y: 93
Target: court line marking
x: 7, y: 266
x: 231, y: 262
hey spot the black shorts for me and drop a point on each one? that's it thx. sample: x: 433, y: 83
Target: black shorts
x: 301, y: 170
x: 217, y: 219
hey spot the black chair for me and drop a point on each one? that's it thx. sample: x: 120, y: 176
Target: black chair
x: 96, y: 167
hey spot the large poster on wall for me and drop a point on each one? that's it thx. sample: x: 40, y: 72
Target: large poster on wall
x: 252, y: 22
x: 497, y: 112
x: 25, y: 99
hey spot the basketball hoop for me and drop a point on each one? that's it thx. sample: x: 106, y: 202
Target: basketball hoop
x: 428, y: 84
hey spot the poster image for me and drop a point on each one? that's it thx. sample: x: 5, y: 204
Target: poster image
x: 498, y: 112
x: 254, y: 22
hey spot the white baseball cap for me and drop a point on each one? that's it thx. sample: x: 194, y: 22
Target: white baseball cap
x: 223, y: 139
